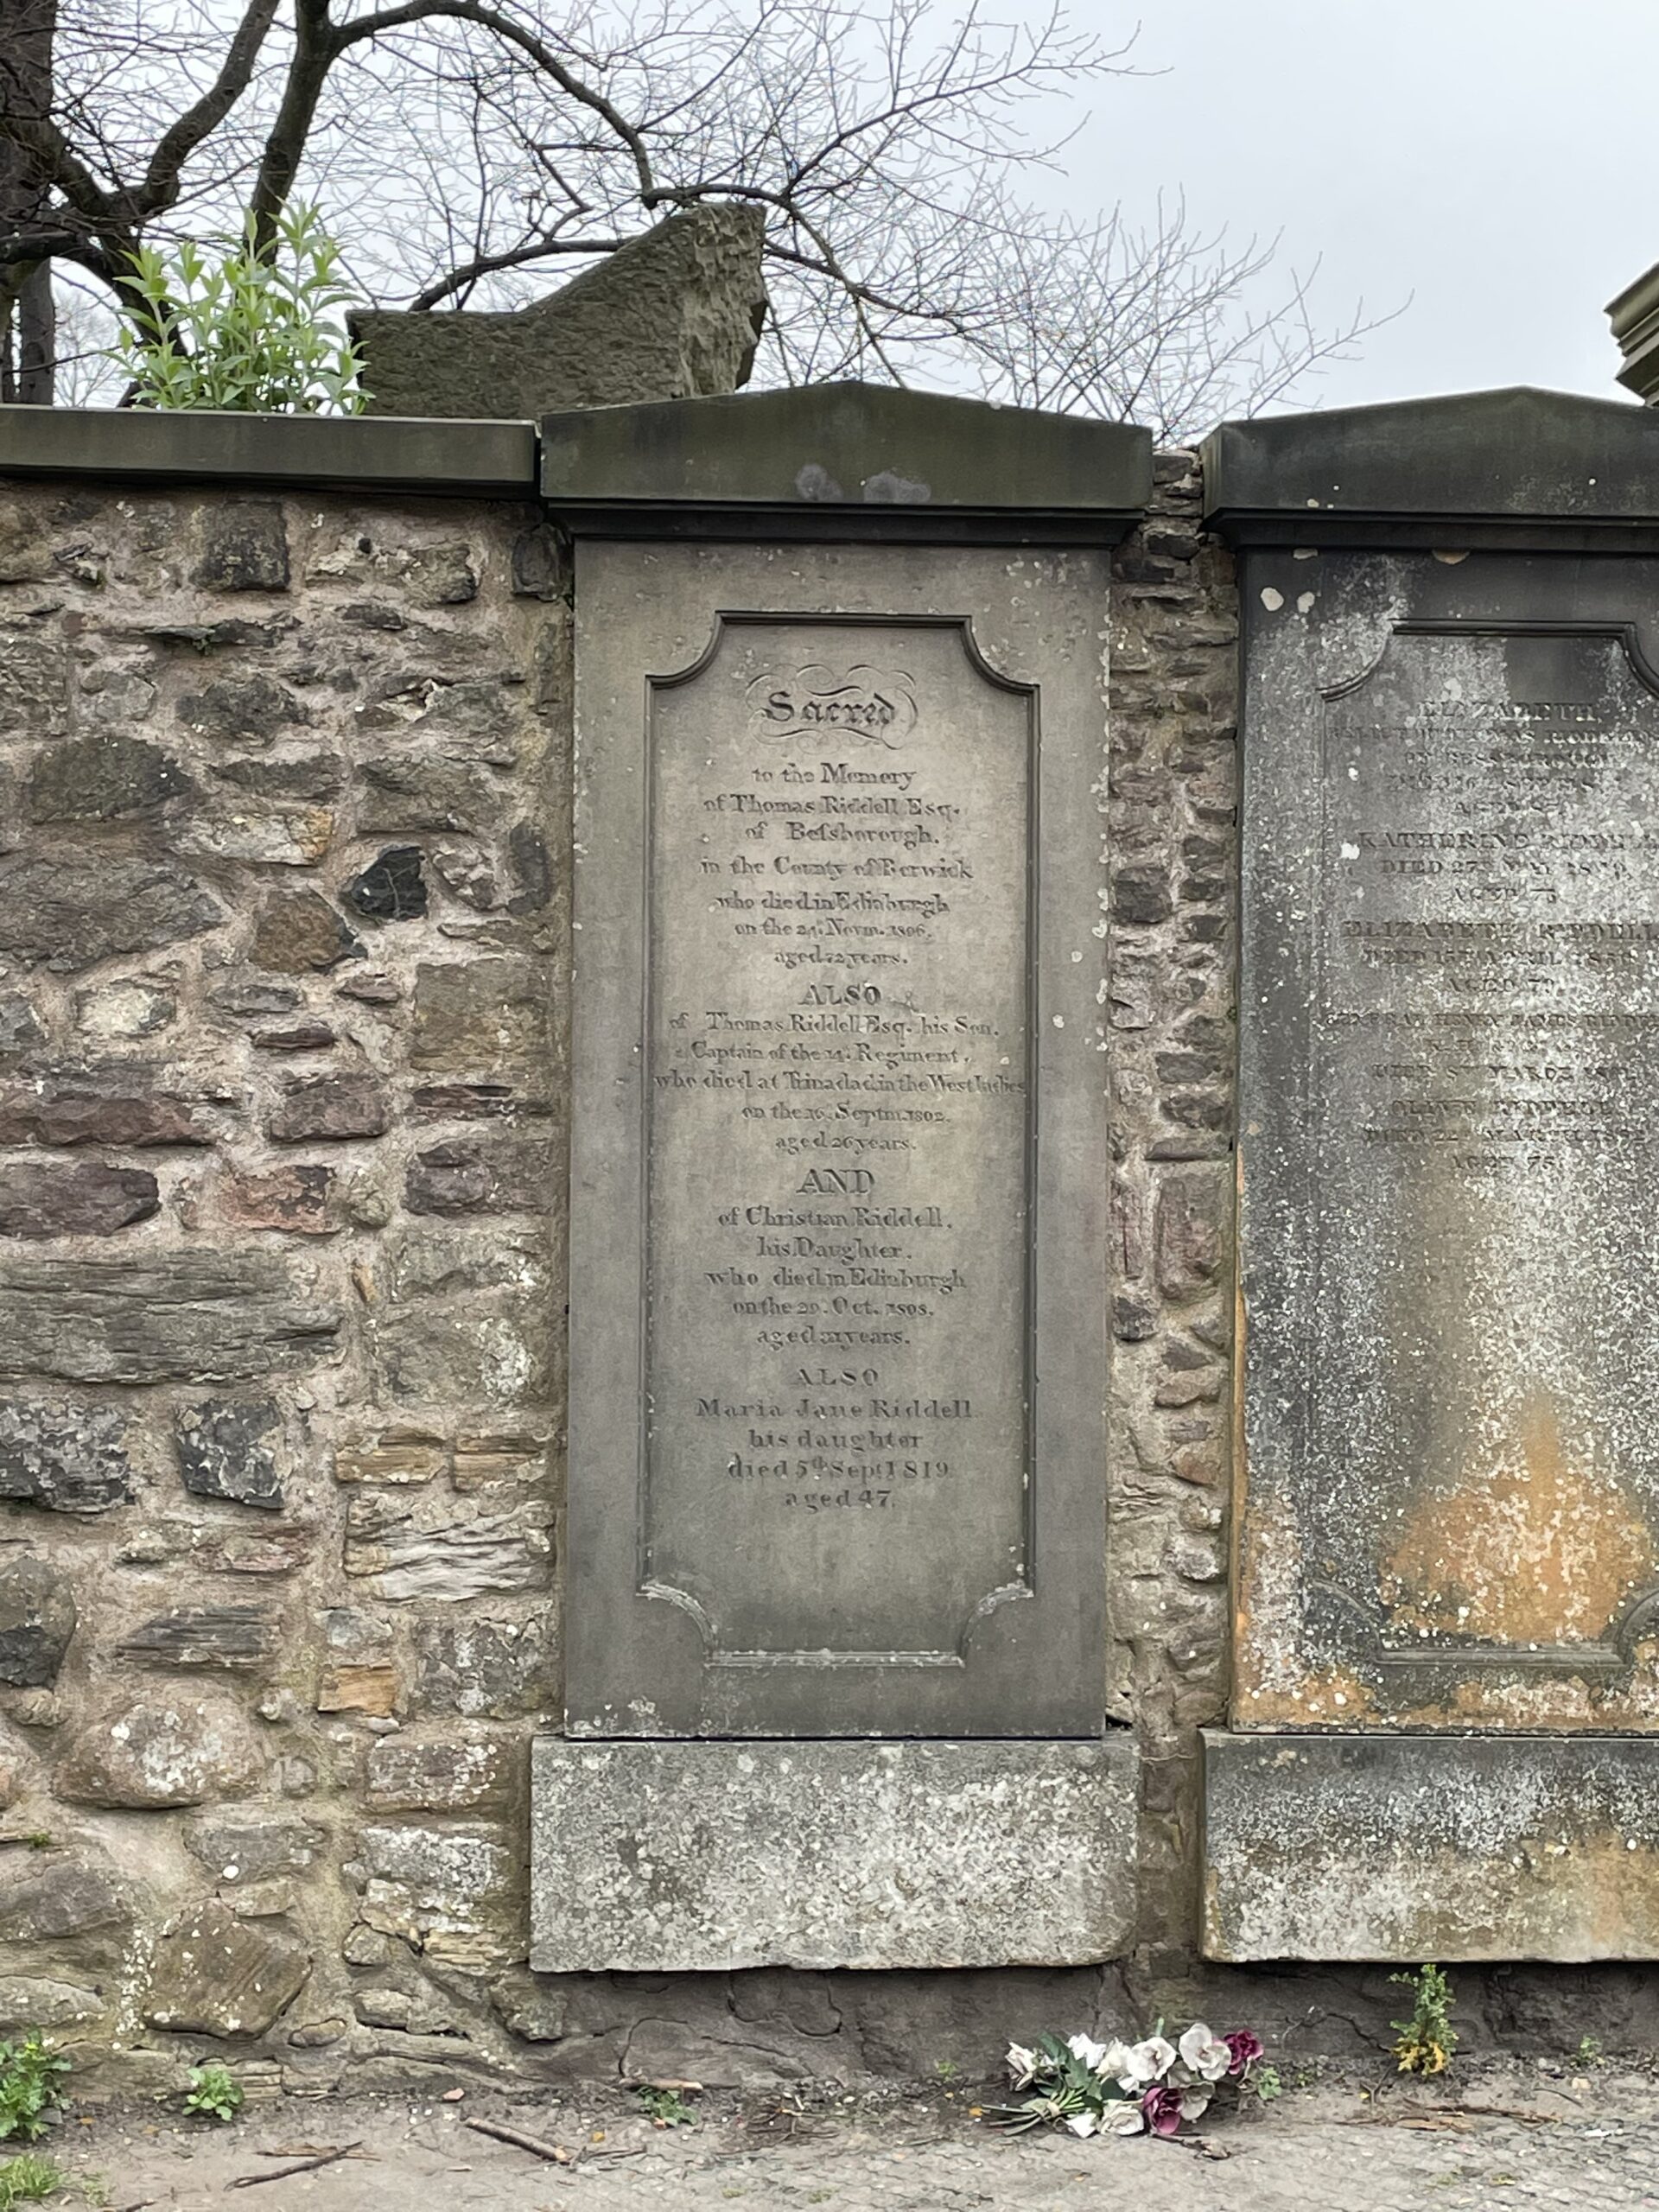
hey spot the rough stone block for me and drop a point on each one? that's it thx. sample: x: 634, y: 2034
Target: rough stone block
x: 392, y: 887
x: 1190, y: 1233
x: 226, y: 1639
x: 423, y: 1545
x: 251, y: 1843
x: 304, y: 775
x: 299, y: 933
x: 294, y: 1200
x: 353, y: 1686
x: 445, y: 1890
x: 397, y: 573
x: 20, y: 1028
x: 411, y: 790
x: 701, y: 1857
x: 34, y: 683
x: 248, y: 1001
x: 225, y: 1451
x: 407, y: 1776
x: 480, y: 1017
x: 1430, y: 1847
x: 102, y: 779
x: 28, y: 2002
x: 485, y: 1669
x: 241, y: 709
x: 673, y: 313
x: 330, y: 1108
x: 149, y: 1753
x: 59, y: 1900
x: 1140, y: 895
x: 243, y: 546
x: 391, y: 1455
x: 116, y: 1013
x: 187, y: 1316
x: 214, y: 1549
x: 114, y: 1113
x: 303, y: 1037
x: 488, y: 1458
x: 80, y: 1200
x: 214, y: 1974
x: 69, y: 1457
x: 488, y: 1352
x: 66, y: 915
x: 37, y: 1618
x: 493, y: 1174
x: 275, y: 837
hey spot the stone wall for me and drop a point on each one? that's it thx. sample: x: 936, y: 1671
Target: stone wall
x: 283, y: 924
x: 1170, y: 812
x: 284, y: 951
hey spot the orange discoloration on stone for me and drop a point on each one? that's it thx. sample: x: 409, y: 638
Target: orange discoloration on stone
x: 1333, y: 1698
x: 1539, y: 1548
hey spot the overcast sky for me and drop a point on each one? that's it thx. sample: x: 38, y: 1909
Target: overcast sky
x: 1493, y: 160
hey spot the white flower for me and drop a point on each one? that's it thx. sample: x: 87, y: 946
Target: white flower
x: 1022, y: 2064
x: 1117, y: 2061
x: 1195, y: 2101
x: 1089, y: 2052
x: 1129, y: 2121
x: 1207, y: 2055
x: 1148, y: 2062
x: 1082, y: 2123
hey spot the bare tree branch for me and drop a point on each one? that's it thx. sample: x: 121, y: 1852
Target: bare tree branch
x: 491, y: 19
x: 458, y: 148
x: 489, y: 264
x: 176, y: 144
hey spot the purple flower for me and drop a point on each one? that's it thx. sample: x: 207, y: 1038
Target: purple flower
x: 1246, y: 2048
x: 1160, y: 2108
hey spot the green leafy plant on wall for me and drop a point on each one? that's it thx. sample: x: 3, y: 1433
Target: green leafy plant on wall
x: 215, y: 2093
x: 27, y: 2179
x: 1424, y: 2044
x: 30, y: 2086
x: 254, y: 330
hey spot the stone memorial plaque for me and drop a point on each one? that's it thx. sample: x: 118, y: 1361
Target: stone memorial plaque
x: 1450, y: 1142
x: 837, y: 1355
x: 837, y: 1136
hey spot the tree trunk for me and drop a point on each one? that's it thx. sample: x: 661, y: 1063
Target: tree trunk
x: 28, y: 329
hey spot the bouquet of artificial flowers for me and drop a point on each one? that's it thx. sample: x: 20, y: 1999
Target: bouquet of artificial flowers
x: 1126, y: 2088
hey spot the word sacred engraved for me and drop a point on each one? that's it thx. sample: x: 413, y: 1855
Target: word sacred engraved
x: 837, y: 1142
x: 863, y: 704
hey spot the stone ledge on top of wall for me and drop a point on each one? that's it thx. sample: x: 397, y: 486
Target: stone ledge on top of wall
x: 845, y: 460
x: 1462, y: 471
x: 482, y: 460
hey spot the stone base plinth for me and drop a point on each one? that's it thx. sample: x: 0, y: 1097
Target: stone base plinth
x: 1446, y: 1847
x: 705, y: 1857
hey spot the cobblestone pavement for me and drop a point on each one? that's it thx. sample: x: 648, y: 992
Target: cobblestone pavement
x: 1512, y: 2138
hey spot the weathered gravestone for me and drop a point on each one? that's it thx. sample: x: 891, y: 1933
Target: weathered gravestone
x: 838, y: 1258
x: 1449, y: 1148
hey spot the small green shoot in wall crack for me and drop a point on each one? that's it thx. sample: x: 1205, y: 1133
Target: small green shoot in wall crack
x: 1424, y: 2044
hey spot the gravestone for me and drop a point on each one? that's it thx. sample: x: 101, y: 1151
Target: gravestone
x: 1449, y: 1119
x: 837, y: 1239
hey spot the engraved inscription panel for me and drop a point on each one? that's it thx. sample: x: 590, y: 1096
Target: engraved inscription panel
x: 838, y: 1138
x: 1474, y: 1394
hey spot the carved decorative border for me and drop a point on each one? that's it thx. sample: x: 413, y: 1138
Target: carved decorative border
x: 725, y: 621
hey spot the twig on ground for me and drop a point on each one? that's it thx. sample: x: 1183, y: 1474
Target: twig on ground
x: 1201, y: 2143
x: 554, y: 2152
x: 301, y: 2166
